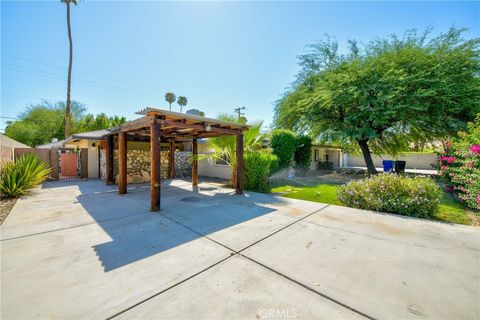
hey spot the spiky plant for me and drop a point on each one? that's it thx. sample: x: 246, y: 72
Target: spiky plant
x: 20, y: 176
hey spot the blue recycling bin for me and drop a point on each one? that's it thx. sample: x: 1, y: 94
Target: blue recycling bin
x: 388, y: 165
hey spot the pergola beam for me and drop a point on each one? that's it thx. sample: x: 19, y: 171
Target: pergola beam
x: 154, y: 167
x: 109, y: 160
x: 141, y: 123
x: 194, y: 162
x: 122, y: 162
x: 197, y: 127
x: 171, y: 158
x: 239, y: 166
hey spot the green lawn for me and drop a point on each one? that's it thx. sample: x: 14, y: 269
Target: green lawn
x: 450, y: 209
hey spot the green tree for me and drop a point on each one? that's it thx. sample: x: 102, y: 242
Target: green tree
x: 182, y: 102
x: 283, y: 143
x: 303, y: 152
x: 386, y: 93
x: 70, y: 62
x: 116, y: 121
x: 42, y: 122
x: 170, y: 98
x: 224, y: 147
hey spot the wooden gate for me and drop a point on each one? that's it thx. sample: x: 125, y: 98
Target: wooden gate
x: 69, y: 165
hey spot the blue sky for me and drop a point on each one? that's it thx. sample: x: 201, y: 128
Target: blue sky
x: 220, y: 55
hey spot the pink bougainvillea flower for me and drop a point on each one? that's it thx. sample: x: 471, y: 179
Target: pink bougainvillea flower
x: 448, y: 159
x: 448, y: 188
x: 478, y: 199
x: 475, y: 148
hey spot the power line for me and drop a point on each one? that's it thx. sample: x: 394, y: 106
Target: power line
x: 89, y: 82
x: 89, y: 105
x: 79, y: 72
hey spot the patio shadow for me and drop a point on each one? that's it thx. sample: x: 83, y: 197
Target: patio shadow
x: 142, y: 233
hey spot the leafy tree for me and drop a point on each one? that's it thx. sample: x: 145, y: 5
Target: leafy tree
x: 182, y: 102
x: 303, y: 152
x: 385, y: 93
x: 42, y: 122
x: 116, y: 121
x: 170, y: 98
x: 283, y: 143
x: 224, y: 147
x: 70, y: 61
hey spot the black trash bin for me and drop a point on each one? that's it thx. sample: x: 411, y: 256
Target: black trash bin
x: 400, y: 166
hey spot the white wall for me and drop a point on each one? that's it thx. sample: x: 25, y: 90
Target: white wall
x: 208, y: 168
x: 422, y: 161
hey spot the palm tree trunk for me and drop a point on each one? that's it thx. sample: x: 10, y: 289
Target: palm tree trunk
x: 69, y: 80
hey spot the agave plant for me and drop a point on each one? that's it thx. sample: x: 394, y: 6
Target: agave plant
x: 20, y: 176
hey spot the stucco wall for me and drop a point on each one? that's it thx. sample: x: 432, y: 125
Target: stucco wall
x: 208, y: 168
x: 422, y: 161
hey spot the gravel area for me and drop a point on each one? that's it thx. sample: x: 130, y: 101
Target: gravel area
x: 6, y: 205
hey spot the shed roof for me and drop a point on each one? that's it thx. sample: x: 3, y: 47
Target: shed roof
x: 89, y: 135
x: 9, y: 142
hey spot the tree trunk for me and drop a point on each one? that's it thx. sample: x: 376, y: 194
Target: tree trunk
x: 69, y: 80
x: 367, y: 156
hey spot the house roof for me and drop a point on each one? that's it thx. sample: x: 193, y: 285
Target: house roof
x: 52, y: 145
x: 89, y: 135
x: 9, y: 142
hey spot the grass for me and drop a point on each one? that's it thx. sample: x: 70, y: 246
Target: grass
x: 450, y: 210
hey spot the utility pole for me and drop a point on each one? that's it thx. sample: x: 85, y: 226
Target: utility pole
x: 240, y: 111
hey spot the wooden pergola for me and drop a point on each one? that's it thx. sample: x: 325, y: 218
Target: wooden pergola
x: 158, y: 125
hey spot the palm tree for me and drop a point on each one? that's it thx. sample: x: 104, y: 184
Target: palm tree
x: 69, y: 79
x: 182, y: 102
x: 224, y: 147
x: 170, y: 98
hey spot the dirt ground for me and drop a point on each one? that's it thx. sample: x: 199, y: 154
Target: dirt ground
x: 6, y: 205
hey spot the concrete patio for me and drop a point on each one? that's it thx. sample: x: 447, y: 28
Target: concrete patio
x: 79, y: 250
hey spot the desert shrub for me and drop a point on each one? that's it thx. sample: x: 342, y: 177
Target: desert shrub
x: 283, y: 143
x: 416, y: 197
x: 325, y: 165
x: 258, y: 168
x: 460, y: 165
x: 303, y: 153
x: 20, y: 176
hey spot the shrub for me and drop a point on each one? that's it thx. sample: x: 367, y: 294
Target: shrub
x: 416, y: 197
x: 20, y: 176
x: 258, y: 168
x: 283, y: 145
x: 303, y: 153
x: 460, y: 165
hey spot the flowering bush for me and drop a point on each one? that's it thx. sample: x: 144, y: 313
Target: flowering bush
x: 416, y: 197
x: 460, y: 165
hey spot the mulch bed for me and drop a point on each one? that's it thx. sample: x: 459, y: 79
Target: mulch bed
x: 6, y: 205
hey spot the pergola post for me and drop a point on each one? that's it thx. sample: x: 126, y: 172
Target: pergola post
x: 171, y: 158
x: 122, y: 162
x: 109, y: 160
x: 154, y: 167
x: 194, y: 162
x: 239, y: 166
